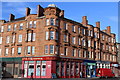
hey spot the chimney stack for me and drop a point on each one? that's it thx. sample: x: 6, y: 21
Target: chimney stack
x: 40, y: 11
x: 84, y: 20
x: 62, y: 13
x: 12, y: 17
x: 108, y: 30
x: 98, y: 24
x: 27, y: 11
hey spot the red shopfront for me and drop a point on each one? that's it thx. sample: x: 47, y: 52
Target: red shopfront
x: 44, y: 67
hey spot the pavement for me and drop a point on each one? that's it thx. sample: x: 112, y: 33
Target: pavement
x: 118, y: 78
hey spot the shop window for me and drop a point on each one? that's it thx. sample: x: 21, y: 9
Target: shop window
x: 68, y: 69
x: 43, y: 73
x: 72, y: 69
x: 38, y: 68
x: 30, y: 69
x: 77, y: 68
x: 62, y: 68
x: 58, y: 68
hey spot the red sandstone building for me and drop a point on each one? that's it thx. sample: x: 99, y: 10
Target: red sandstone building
x: 48, y: 44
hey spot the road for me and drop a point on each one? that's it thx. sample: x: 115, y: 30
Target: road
x: 68, y: 79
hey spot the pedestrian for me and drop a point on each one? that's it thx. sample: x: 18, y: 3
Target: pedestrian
x: 32, y: 76
x: 80, y: 74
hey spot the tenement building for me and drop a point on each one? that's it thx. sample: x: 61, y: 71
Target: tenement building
x: 47, y: 45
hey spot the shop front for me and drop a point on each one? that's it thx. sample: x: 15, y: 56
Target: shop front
x: 90, y: 68
x: 115, y: 68
x: 103, y: 64
x: 51, y: 67
x: 11, y: 67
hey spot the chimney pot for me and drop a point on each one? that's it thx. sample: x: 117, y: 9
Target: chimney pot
x: 40, y: 11
x: 27, y: 11
x: 98, y: 24
x: 84, y: 20
x: 12, y: 17
x: 108, y: 30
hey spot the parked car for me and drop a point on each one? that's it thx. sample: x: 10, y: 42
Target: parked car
x: 104, y: 72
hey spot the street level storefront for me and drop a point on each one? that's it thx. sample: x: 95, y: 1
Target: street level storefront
x: 49, y: 67
x: 103, y: 64
x: 90, y: 68
x: 11, y: 67
x: 115, y: 68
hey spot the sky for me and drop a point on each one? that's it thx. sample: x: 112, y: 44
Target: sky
x: 105, y: 12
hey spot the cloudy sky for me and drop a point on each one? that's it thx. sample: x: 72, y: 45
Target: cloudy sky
x: 105, y: 12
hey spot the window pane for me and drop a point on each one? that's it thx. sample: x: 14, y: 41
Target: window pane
x: 47, y: 21
x: 12, y: 51
x: 51, y: 35
x: 29, y: 49
x: 51, y: 49
x: 19, y: 50
x: 47, y: 35
x: 34, y: 35
x: 29, y: 36
x: 46, y: 49
x: 33, y: 50
x: 20, y: 38
x: 51, y: 21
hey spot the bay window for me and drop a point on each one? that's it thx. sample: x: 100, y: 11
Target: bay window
x: 46, y: 49
x: 73, y: 40
x: 8, y: 39
x: 47, y: 22
x: 51, y: 35
x: 47, y: 35
x: 52, y: 21
x: 51, y: 49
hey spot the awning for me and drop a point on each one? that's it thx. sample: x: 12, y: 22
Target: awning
x: 11, y: 59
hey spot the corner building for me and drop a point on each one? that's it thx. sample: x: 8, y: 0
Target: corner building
x: 47, y: 44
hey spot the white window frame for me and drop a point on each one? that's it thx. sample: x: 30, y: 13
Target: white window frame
x: 52, y: 35
x: 6, y: 51
x: 46, y: 49
x: 8, y: 39
x: 13, y: 51
x: 34, y: 37
x: 52, y: 49
x: 33, y: 50
x: 2, y: 28
x: 1, y: 40
x: 46, y: 35
x: 20, y: 38
x: 29, y: 36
